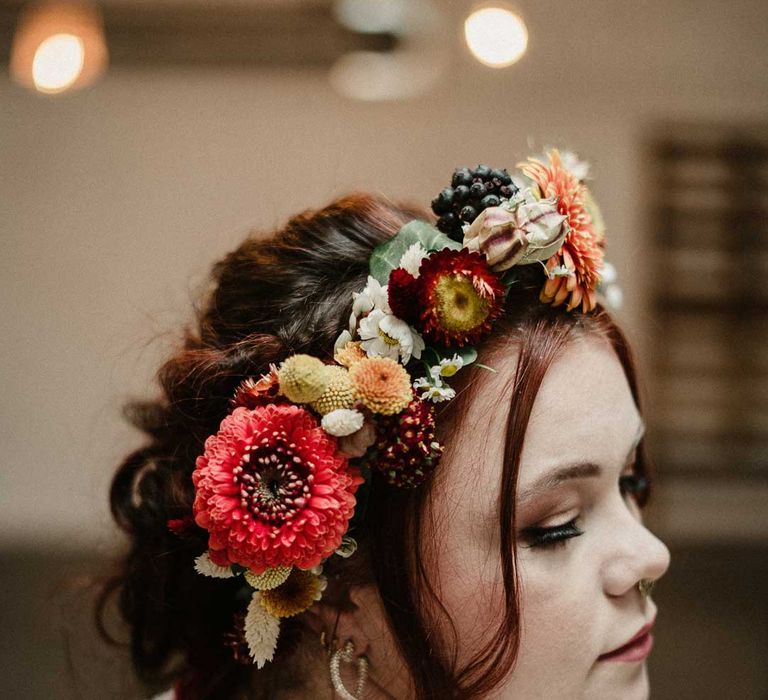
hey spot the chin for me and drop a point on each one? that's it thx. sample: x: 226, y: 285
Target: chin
x: 626, y: 681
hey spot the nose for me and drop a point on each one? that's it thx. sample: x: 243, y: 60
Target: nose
x: 633, y: 553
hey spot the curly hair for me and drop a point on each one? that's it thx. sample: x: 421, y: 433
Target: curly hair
x: 291, y: 292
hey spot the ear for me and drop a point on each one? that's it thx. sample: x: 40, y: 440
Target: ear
x: 342, y: 622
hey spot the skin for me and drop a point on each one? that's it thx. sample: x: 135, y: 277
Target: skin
x: 578, y: 600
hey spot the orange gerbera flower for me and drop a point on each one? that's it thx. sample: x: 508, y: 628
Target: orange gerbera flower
x: 576, y: 266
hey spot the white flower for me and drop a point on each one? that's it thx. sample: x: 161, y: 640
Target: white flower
x: 434, y: 390
x: 437, y: 393
x: 608, y: 274
x: 421, y: 382
x: 447, y: 367
x: 577, y: 167
x: 374, y: 296
x: 614, y: 297
x: 342, y: 421
x: 204, y: 566
x: 261, y: 631
x: 341, y: 341
x: 411, y: 259
x: 385, y: 335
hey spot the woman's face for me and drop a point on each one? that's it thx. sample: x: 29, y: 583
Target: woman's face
x: 579, y: 598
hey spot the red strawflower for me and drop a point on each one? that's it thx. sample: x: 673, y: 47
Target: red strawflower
x: 252, y: 393
x: 403, y: 295
x: 273, y: 490
x: 459, y: 297
x: 406, y: 450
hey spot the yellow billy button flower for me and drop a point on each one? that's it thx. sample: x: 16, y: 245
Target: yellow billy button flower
x: 303, y: 378
x: 340, y: 392
x: 271, y: 578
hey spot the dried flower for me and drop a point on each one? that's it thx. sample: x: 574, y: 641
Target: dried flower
x: 204, y: 566
x: 271, y: 578
x: 342, y: 422
x: 272, y: 489
x: 407, y: 450
x: 338, y: 394
x: 373, y: 296
x: 381, y: 384
x: 581, y: 255
x: 385, y: 335
x: 252, y: 393
x: 347, y: 351
x: 260, y: 631
x: 303, y: 378
x: 447, y: 367
x: 460, y: 297
x: 295, y: 595
x: 403, y: 293
x: 521, y: 231
x: 434, y: 390
x: 411, y: 259
x: 357, y: 444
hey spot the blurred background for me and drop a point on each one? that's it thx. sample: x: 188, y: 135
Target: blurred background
x: 143, y: 140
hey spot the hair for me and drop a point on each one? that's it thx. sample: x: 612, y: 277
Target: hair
x: 291, y: 292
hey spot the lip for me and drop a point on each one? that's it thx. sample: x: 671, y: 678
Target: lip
x: 636, y: 649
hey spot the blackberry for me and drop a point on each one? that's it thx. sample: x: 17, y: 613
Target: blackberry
x: 471, y: 191
x: 461, y: 176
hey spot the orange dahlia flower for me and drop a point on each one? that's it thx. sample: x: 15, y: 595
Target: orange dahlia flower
x: 574, y: 270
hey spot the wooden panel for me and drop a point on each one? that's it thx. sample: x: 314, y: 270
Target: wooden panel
x: 709, y: 390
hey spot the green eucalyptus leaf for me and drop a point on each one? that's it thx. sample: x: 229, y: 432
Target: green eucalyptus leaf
x: 386, y: 257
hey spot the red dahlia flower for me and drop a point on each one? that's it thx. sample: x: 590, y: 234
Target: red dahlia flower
x: 459, y: 297
x: 273, y: 490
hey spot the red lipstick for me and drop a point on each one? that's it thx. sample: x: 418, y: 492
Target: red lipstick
x: 636, y: 649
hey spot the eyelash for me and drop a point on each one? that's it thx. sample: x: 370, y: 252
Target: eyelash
x: 553, y: 537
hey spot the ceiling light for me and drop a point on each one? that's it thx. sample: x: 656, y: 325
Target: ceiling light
x: 58, y: 46
x: 496, y: 36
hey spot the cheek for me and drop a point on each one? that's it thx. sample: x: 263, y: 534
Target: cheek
x: 471, y: 589
x: 558, y: 612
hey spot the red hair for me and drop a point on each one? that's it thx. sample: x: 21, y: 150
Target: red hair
x: 287, y: 293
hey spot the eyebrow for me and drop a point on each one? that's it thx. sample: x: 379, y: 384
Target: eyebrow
x: 579, y: 470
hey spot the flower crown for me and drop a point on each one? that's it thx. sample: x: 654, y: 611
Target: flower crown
x: 276, y: 486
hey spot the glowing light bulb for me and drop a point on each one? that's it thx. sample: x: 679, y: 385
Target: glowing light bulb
x: 497, y: 37
x: 58, y: 62
x: 58, y: 46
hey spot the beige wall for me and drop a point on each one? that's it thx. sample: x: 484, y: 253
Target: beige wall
x: 115, y: 201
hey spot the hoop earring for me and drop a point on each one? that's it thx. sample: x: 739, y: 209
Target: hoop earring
x: 645, y: 586
x: 346, y: 655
